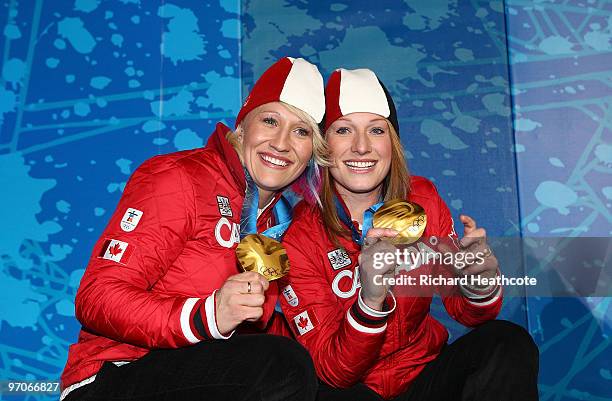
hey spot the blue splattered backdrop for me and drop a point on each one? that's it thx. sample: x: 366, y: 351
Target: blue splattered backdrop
x: 506, y: 107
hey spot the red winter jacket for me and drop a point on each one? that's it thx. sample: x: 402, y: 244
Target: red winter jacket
x: 350, y: 342
x: 169, y: 245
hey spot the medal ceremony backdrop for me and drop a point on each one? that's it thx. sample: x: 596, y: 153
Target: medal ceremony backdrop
x: 505, y: 106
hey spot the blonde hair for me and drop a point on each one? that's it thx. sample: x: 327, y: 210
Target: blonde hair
x: 395, y: 185
x: 309, y: 181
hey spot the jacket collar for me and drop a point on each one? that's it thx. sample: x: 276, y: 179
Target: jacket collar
x: 226, y: 151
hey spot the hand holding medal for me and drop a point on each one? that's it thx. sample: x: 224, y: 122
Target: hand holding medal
x: 262, y: 258
x: 395, y: 223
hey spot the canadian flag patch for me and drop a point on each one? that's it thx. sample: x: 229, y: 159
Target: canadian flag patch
x: 304, y: 322
x: 117, y: 251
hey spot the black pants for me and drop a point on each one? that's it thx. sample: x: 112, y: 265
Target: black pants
x: 247, y: 367
x: 496, y: 361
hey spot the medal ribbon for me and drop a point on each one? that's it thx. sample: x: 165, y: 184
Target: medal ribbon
x: 368, y: 217
x: 248, y: 217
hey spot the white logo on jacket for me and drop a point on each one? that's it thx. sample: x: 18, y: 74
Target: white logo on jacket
x: 130, y: 219
x: 347, y: 275
x: 225, y: 208
x: 339, y: 258
x: 233, y: 228
x: 290, y: 296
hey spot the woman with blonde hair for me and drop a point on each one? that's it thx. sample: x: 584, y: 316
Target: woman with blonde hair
x: 366, y: 342
x: 162, y: 295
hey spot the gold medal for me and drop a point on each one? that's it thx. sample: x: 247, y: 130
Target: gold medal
x: 408, y: 218
x: 263, y: 255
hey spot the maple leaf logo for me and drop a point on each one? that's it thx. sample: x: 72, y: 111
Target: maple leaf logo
x: 115, y: 250
x: 303, y: 323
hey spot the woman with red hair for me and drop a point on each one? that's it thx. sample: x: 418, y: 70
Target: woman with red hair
x: 365, y: 342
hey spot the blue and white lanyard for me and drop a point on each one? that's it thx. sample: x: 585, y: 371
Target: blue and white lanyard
x: 283, y: 213
x: 368, y: 217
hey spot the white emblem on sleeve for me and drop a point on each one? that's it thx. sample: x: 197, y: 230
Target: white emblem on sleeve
x: 130, y: 219
x: 290, y: 296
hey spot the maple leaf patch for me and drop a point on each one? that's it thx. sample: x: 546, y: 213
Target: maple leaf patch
x: 305, y: 322
x: 117, y: 251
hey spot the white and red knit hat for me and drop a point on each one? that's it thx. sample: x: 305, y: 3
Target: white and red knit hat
x: 357, y: 91
x: 290, y: 80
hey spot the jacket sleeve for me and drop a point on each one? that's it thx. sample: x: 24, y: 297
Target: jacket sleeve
x: 115, y: 298
x: 467, y: 311
x: 343, y: 342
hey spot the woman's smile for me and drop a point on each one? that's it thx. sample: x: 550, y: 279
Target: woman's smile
x: 274, y: 161
x: 361, y: 166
